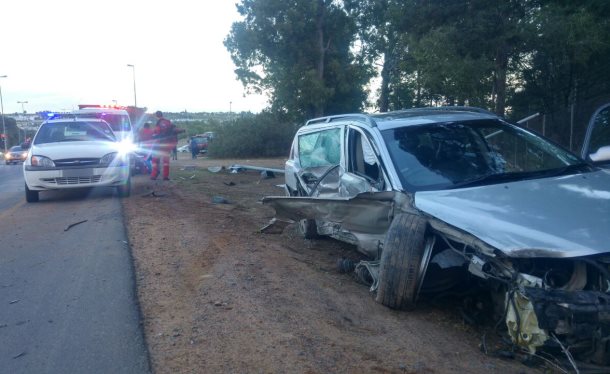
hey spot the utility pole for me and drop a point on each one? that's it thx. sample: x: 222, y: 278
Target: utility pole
x: 135, y: 99
x: 2, y: 115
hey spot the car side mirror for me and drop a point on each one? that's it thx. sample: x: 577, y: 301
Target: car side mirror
x: 602, y: 154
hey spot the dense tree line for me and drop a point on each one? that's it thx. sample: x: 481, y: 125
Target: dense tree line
x: 513, y: 57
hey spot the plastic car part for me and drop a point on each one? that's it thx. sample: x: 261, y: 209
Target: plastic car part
x: 308, y: 228
x: 403, y: 262
x: 522, y: 322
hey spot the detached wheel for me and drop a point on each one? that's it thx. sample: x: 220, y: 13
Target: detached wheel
x: 31, y: 196
x: 125, y: 189
x: 403, y: 262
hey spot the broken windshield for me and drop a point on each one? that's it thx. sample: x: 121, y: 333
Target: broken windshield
x: 448, y: 155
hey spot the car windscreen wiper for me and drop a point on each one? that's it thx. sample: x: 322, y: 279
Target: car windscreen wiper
x: 492, y: 178
x: 581, y: 167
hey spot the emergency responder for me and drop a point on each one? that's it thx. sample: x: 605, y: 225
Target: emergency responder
x: 165, y: 135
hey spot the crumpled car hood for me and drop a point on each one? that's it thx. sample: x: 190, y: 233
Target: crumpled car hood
x: 566, y: 216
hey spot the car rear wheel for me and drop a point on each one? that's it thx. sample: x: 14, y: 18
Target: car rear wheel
x: 403, y: 262
x: 125, y: 189
x: 30, y: 196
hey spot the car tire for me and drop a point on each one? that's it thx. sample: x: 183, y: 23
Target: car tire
x: 124, y: 189
x: 400, y: 270
x: 31, y: 196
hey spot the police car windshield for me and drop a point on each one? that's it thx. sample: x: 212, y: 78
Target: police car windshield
x: 57, y: 132
x: 117, y: 122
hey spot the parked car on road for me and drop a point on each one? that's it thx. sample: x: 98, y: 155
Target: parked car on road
x: 437, y: 197
x: 15, y: 154
x: 75, y: 153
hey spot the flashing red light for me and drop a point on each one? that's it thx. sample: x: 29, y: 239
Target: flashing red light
x: 83, y: 106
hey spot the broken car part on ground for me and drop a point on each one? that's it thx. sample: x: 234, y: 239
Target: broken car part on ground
x: 439, y: 197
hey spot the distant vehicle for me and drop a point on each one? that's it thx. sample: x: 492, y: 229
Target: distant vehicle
x: 184, y: 148
x: 202, y: 142
x: 75, y: 153
x: 15, y: 154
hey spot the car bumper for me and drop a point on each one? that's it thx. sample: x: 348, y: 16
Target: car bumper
x: 56, y: 178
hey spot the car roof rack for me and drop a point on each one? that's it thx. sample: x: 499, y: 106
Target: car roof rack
x: 417, y: 111
x: 364, y: 118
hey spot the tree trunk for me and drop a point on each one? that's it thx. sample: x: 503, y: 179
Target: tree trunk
x: 321, y: 50
x: 384, y: 95
x: 501, y: 65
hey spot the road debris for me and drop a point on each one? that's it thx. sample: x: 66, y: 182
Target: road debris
x: 267, y: 174
x: 154, y: 194
x: 74, y: 224
x: 235, y: 168
x: 219, y: 200
x: 275, y: 226
x: 229, y: 183
x: 215, y: 169
x: 20, y: 355
x: 14, y: 301
x: 192, y: 176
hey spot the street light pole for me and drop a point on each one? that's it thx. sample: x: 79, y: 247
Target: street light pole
x: 135, y: 99
x: 23, y: 111
x: 2, y: 114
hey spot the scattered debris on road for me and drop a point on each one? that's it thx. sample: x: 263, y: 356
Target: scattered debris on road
x: 14, y: 301
x: 74, y: 224
x: 20, y: 355
x: 219, y: 200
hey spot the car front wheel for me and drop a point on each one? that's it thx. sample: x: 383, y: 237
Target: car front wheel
x: 125, y: 189
x: 30, y: 196
x: 403, y: 262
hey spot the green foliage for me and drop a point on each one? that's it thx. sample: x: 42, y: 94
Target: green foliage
x: 262, y: 135
x: 299, y: 52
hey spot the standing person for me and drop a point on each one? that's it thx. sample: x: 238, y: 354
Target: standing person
x: 175, y: 153
x: 194, y: 148
x: 165, y: 135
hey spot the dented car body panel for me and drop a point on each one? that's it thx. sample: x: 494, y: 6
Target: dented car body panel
x: 500, y: 204
x: 566, y: 216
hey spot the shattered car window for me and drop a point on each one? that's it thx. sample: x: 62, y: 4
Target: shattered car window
x: 320, y: 148
x: 441, y: 156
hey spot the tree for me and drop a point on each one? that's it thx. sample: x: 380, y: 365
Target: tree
x: 299, y: 52
x: 384, y: 40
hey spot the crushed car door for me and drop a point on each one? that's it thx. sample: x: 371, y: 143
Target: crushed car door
x: 318, y: 162
x: 596, y: 146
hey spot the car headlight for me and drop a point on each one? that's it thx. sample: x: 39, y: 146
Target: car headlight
x: 41, y: 161
x: 113, y: 158
x: 107, y: 159
x: 24, y: 154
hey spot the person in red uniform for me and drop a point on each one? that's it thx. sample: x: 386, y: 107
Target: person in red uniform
x: 165, y: 136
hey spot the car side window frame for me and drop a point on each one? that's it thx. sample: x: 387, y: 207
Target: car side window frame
x: 365, y: 140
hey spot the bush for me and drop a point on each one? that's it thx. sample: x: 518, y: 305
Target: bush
x: 260, y: 135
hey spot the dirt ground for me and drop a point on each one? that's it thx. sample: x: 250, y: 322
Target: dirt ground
x: 219, y: 297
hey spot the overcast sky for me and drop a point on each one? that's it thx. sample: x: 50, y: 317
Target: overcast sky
x: 61, y: 53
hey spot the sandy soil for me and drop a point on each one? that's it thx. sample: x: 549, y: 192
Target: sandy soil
x: 219, y: 297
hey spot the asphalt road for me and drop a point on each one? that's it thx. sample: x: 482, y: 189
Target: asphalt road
x: 67, y: 298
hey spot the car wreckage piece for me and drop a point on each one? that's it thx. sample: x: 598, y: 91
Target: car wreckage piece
x: 543, y: 296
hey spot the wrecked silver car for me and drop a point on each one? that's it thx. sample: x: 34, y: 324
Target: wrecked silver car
x: 436, y: 195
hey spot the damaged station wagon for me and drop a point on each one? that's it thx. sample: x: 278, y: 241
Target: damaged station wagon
x: 436, y: 196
